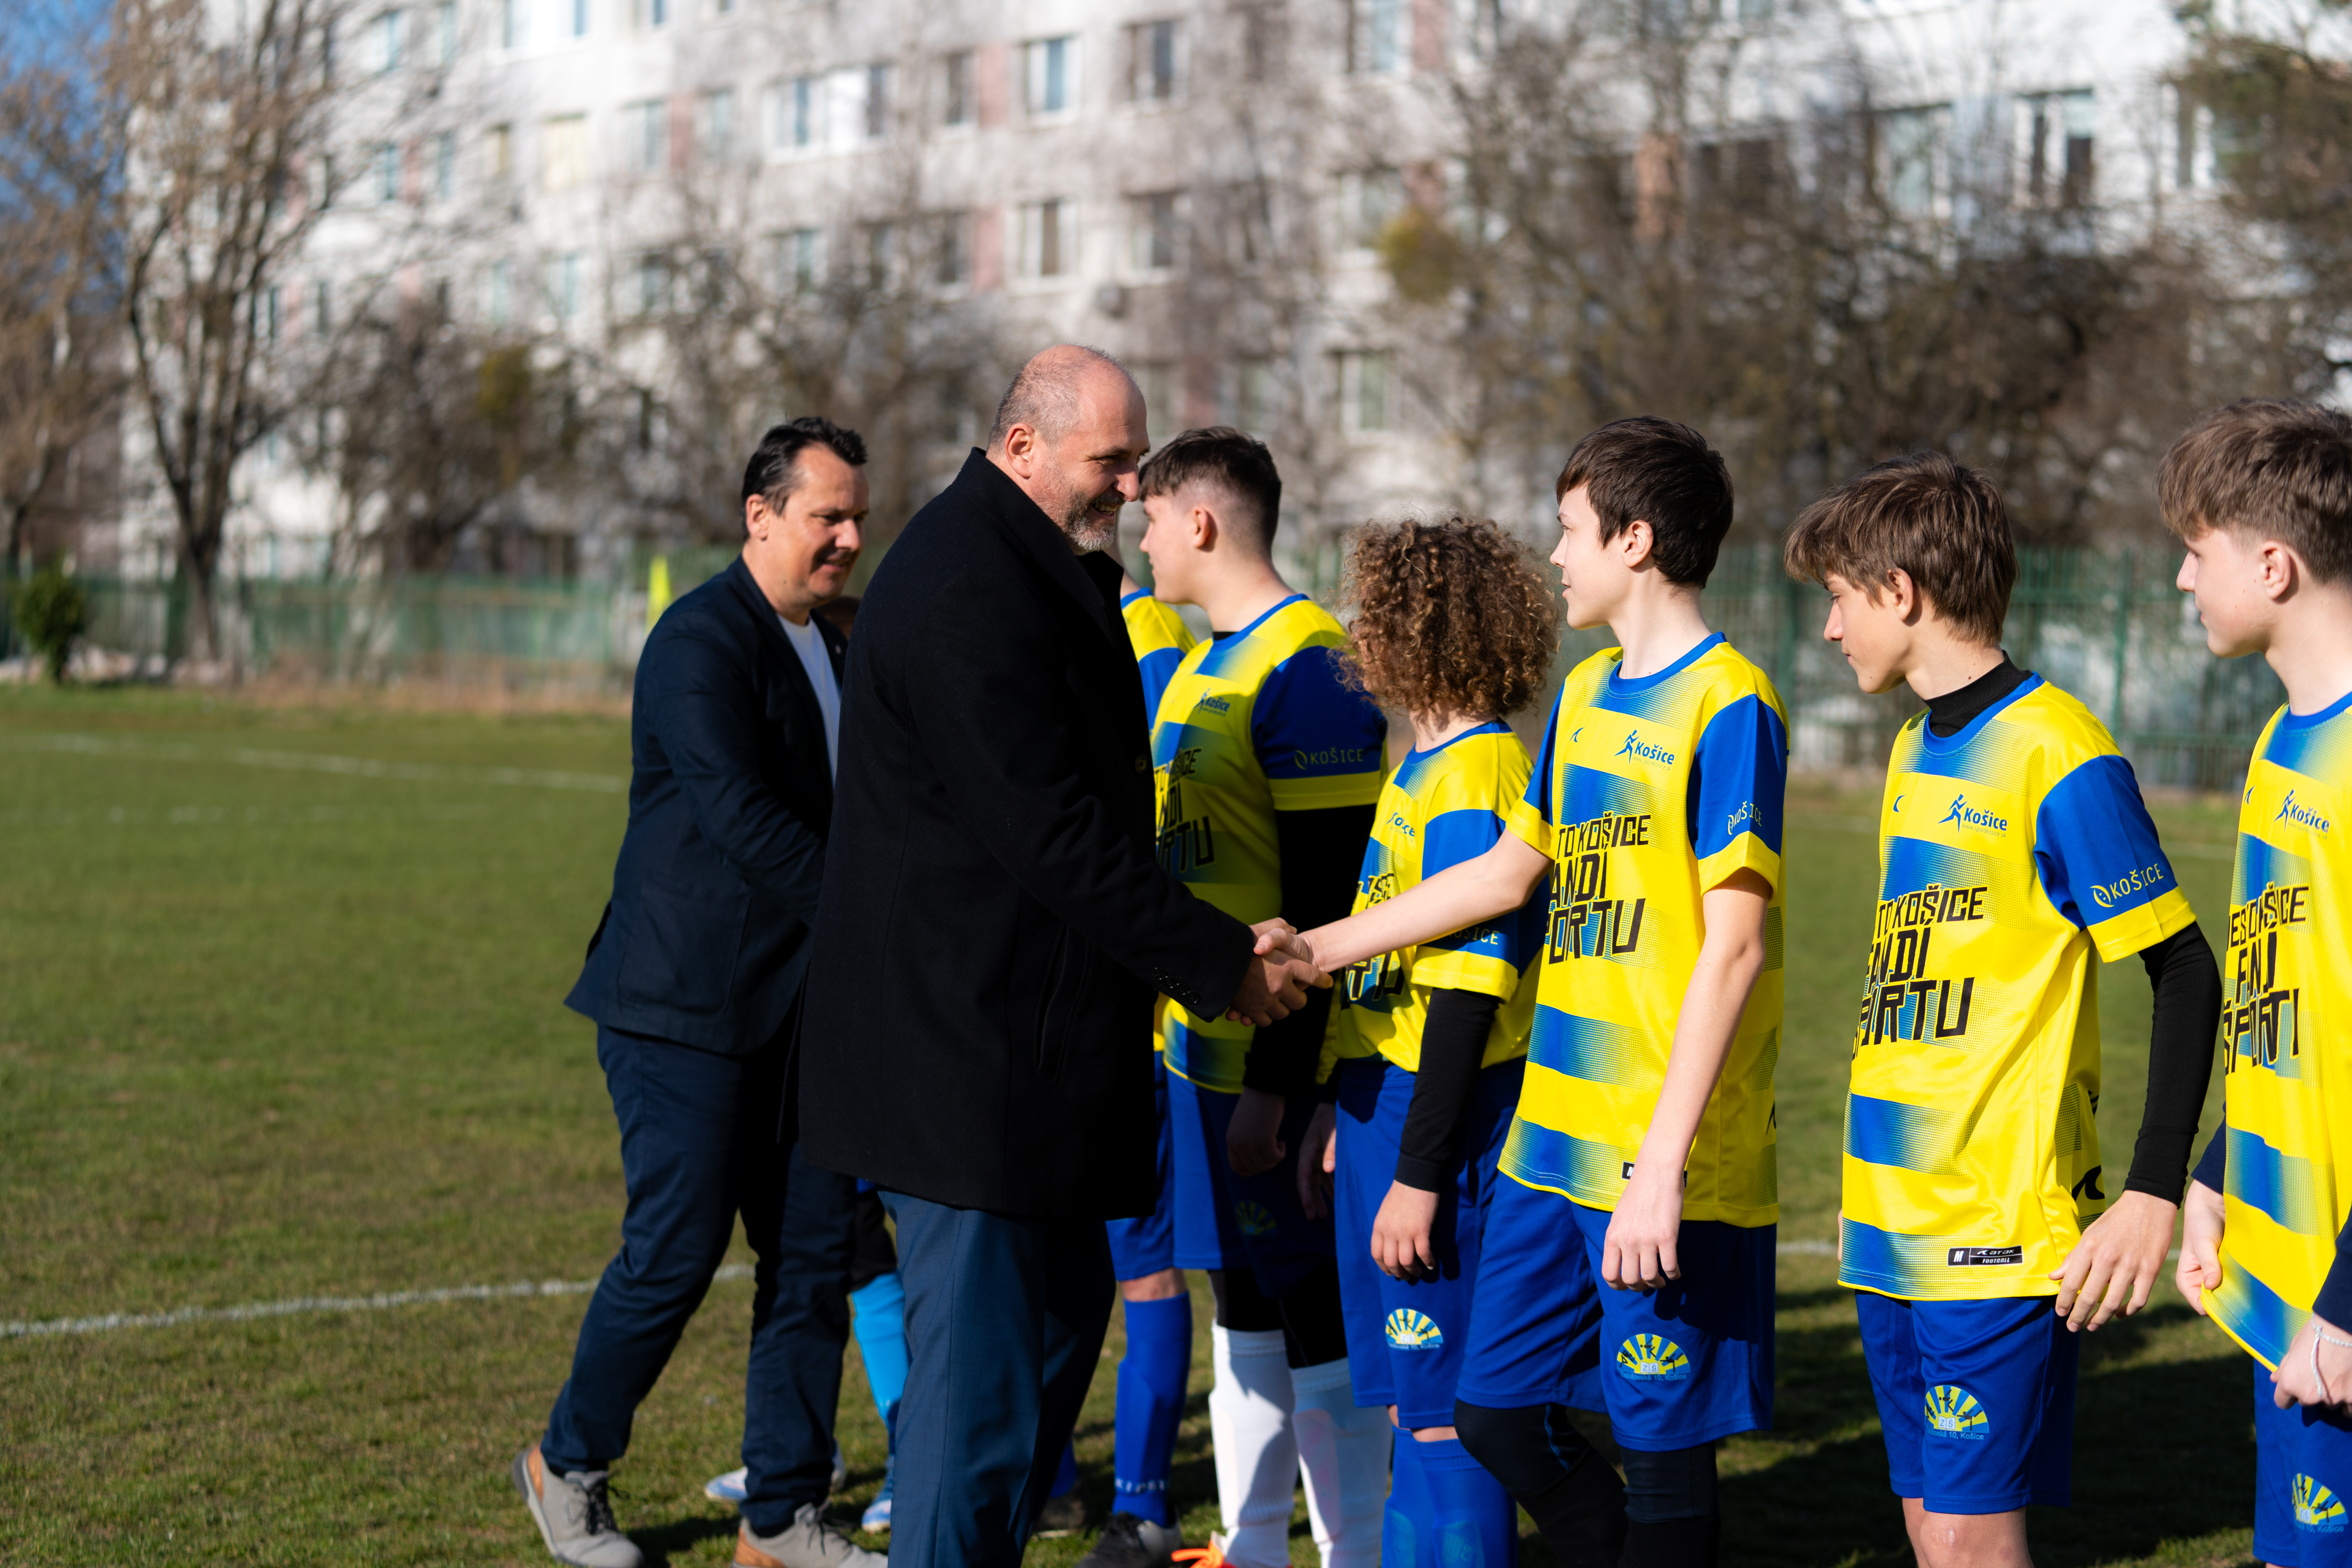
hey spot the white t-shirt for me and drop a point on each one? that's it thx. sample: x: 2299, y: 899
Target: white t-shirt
x: 809, y: 643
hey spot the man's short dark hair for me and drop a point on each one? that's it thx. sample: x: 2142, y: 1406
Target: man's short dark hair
x: 1656, y: 471
x: 1227, y: 459
x: 1943, y: 526
x: 774, y: 467
x: 2266, y: 467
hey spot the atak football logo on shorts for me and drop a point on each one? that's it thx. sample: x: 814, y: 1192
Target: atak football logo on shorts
x: 1954, y: 1411
x: 1411, y: 1331
x: 1653, y: 1355
x: 1253, y: 1217
x: 2317, y: 1508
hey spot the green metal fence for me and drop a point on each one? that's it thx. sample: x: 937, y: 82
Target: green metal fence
x: 2108, y: 626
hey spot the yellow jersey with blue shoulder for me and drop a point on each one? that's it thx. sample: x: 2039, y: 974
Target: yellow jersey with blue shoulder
x: 1647, y: 793
x: 2012, y: 854
x: 1440, y: 808
x: 1160, y: 640
x: 1254, y: 722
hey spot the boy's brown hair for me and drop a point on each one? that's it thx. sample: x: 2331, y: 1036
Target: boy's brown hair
x: 1452, y: 618
x: 1943, y: 525
x: 1224, y: 458
x: 2265, y: 466
x: 1659, y: 472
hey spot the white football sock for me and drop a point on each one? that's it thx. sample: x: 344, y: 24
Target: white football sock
x: 1256, y: 1455
x: 1343, y: 1453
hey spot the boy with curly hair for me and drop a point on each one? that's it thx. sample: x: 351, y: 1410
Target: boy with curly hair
x: 1456, y: 630
x: 1641, y: 1153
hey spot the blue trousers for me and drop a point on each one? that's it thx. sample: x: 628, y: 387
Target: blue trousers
x: 1005, y: 1324
x: 699, y: 1144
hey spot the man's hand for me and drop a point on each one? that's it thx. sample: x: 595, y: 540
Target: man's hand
x: 2201, y: 1244
x: 1274, y: 985
x: 1638, y: 1252
x: 2322, y: 1383
x: 1401, y: 1243
x: 2114, y: 1266
x: 1318, y: 1159
x: 1254, y: 1137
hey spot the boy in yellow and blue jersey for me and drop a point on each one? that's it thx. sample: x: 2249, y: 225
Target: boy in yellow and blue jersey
x: 1627, y: 1262
x: 1454, y: 626
x: 2014, y: 852
x: 1267, y: 766
x: 2262, y: 493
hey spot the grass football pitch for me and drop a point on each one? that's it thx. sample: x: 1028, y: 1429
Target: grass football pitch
x: 280, y: 1020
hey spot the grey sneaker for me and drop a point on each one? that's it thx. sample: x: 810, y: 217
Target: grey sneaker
x: 811, y: 1541
x: 1127, y: 1542
x: 574, y: 1515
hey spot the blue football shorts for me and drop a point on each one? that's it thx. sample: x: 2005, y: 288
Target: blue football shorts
x: 2302, y: 1475
x: 1976, y: 1399
x: 1229, y: 1221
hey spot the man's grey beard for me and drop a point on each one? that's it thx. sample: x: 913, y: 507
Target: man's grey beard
x: 1087, y: 529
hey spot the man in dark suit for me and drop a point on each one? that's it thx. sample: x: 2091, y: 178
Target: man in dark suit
x: 694, y: 979
x: 977, y: 1033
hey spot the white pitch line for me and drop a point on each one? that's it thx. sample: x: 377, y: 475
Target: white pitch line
x: 300, y: 1305
x: 321, y: 762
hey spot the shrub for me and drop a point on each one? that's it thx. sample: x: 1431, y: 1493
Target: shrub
x: 52, y: 612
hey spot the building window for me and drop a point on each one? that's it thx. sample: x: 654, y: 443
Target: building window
x: 800, y: 262
x: 563, y: 151
x: 1047, y: 243
x: 1154, y: 222
x: 2059, y: 146
x: 577, y: 12
x: 322, y: 306
x: 1152, y: 61
x: 563, y: 285
x: 1156, y: 380
x: 1052, y: 75
x: 715, y: 125
x: 445, y: 165
x: 1755, y: 10
x: 514, y: 23
x: 384, y: 34
x: 1376, y: 36
x: 645, y: 135
x: 1368, y: 200
x: 272, y: 314
x: 1364, y: 401
x: 1913, y: 149
x: 499, y: 304
x: 445, y: 33
x: 1254, y: 394
x: 653, y: 13
x: 800, y: 113
x: 653, y: 284
x: 498, y: 150
x: 958, y: 108
x: 881, y: 253
x: 877, y: 102
x: 387, y: 172
x: 954, y: 253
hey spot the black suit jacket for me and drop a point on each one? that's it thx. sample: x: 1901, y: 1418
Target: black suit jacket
x: 707, y: 935
x: 977, y: 1028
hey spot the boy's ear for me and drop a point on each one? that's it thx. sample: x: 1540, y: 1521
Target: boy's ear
x: 1904, y: 595
x: 1206, y: 528
x: 2282, y: 569
x: 1638, y: 541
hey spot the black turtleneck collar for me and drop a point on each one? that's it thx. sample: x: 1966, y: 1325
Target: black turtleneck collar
x: 1951, y: 713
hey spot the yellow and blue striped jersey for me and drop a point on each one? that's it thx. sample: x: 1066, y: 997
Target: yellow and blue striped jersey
x: 1253, y: 723
x: 1160, y: 641
x: 1441, y: 807
x: 2286, y: 981
x: 2010, y: 853
x: 1646, y: 793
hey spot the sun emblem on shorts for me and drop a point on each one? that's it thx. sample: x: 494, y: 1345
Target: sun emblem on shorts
x: 1653, y: 1355
x: 1253, y: 1217
x: 1954, y: 1411
x: 2317, y: 1508
x: 1411, y: 1331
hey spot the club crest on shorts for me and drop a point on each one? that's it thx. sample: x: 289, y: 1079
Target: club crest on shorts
x: 1653, y: 1356
x: 1411, y: 1331
x: 2317, y: 1508
x: 1954, y: 1411
x: 1253, y: 1217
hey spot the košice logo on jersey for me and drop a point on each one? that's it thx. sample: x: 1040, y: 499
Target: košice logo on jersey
x: 1253, y: 1217
x: 1953, y: 1412
x: 1966, y: 816
x: 1183, y: 844
x: 2317, y: 1508
x: 2262, y: 1020
x: 1653, y: 1356
x: 1411, y: 1331
x: 1638, y: 747
x: 1899, y: 1001
x: 1586, y: 923
x: 2108, y: 895
x: 2289, y: 811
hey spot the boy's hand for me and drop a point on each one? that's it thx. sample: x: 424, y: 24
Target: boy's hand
x: 2320, y: 1383
x: 2114, y: 1266
x: 1401, y: 1243
x: 1638, y: 1253
x: 1254, y: 1137
x: 2201, y: 1245
x: 1317, y: 1159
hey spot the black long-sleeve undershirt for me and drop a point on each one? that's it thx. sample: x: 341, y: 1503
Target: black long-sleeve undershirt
x: 1322, y: 852
x: 2187, y: 1010
x: 1453, y: 1043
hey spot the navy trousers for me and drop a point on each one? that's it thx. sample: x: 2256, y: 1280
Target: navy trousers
x: 1004, y: 1325
x: 699, y: 1144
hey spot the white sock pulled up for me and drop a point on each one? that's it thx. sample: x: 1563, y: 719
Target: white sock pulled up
x: 1343, y: 1453
x: 1256, y: 1451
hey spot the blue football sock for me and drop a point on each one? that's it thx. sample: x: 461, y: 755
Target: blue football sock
x: 1066, y: 1480
x: 1476, y: 1524
x: 1407, y: 1531
x: 881, y: 1324
x: 1150, y: 1404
